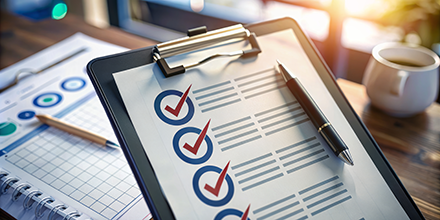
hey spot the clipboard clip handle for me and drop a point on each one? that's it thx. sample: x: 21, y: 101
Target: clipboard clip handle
x: 199, y: 38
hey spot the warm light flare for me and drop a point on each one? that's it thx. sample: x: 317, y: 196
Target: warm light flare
x: 365, y: 8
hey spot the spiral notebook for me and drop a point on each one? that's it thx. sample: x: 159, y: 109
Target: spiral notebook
x: 45, y: 172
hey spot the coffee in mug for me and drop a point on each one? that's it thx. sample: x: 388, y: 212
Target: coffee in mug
x: 402, y: 79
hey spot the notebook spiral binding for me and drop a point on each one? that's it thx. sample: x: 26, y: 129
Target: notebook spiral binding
x: 32, y: 196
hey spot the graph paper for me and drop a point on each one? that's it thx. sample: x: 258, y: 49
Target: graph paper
x: 91, y: 174
x: 87, y: 177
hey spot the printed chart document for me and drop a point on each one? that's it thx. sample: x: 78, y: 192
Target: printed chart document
x: 87, y: 177
x: 228, y: 140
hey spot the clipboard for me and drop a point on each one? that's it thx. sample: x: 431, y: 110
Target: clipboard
x: 100, y: 71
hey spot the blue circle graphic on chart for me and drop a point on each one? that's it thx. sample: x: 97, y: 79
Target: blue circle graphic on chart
x: 202, y: 197
x: 24, y: 115
x: 185, y: 158
x: 226, y: 212
x: 164, y: 118
x: 73, y: 84
x: 47, y: 100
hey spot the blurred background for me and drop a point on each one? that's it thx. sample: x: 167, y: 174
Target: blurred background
x: 344, y: 31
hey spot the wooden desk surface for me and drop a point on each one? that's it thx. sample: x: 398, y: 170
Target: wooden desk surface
x: 21, y: 38
x: 411, y: 145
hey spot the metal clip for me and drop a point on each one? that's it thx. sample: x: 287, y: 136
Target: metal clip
x: 194, y: 42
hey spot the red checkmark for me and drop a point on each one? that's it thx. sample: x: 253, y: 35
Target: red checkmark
x: 176, y: 111
x: 245, y: 214
x: 219, y: 183
x: 196, y: 147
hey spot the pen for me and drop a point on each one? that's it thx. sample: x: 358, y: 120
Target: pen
x: 316, y: 116
x: 72, y: 129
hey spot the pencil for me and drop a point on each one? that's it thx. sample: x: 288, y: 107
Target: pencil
x: 72, y: 129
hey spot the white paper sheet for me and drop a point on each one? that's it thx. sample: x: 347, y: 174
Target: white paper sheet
x: 87, y: 177
x: 239, y: 145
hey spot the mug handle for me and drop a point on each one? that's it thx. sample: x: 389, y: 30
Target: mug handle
x: 399, y: 83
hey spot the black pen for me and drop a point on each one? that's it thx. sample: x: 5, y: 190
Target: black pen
x: 316, y: 116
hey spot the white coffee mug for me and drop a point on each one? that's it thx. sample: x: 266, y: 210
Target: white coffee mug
x: 402, y: 79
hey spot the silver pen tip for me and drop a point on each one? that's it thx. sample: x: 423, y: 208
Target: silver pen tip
x: 284, y: 72
x: 346, y: 157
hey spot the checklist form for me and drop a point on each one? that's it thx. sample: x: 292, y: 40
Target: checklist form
x: 227, y: 140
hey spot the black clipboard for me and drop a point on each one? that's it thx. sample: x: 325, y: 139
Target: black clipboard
x: 100, y: 71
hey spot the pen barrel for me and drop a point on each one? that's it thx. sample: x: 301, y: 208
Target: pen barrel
x: 333, y: 139
x: 305, y: 100
x: 315, y: 114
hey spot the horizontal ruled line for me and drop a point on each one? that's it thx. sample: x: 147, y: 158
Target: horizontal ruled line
x: 303, y: 157
x: 322, y: 192
x: 278, y: 210
x: 259, y: 175
x: 251, y: 161
x: 214, y: 93
x: 307, y: 164
x: 300, y: 151
x: 234, y: 130
x: 221, y: 105
x: 274, y: 109
x: 263, y: 181
x: 257, y: 80
x: 211, y: 87
x: 231, y: 123
x: 274, y: 204
x: 279, y: 114
x: 238, y: 136
x: 254, y: 74
x: 295, y: 145
x: 291, y: 214
x: 326, y: 198
x: 286, y: 127
x: 218, y: 99
x: 241, y: 143
x: 255, y: 168
x: 318, y: 185
x: 265, y: 91
x: 283, y: 120
x: 331, y: 205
